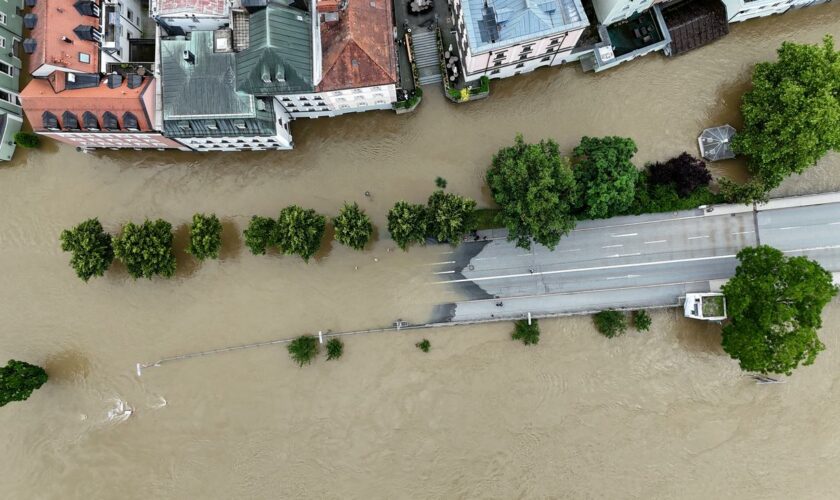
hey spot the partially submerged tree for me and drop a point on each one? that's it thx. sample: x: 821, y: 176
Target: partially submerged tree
x: 205, y: 237
x: 610, y: 323
x: 303, y: 349
x: 18, y: 379
x: 752, y: 191
x: 606, y: 179
x: 792, y: 113
x: 353, y: 227
x: 536, y: 189
x: 528, y: 334
x: 450, y: 217
x: 146, y: 249
x: 299, y: 231
x: 259, y: 235
x: 91, y: 249
x: 684, y: 172
x: 335, y: 348
x: 774, y: 303
x: 641, y: 320
x: 407, y: 224
x: 424, y: 345
x: 27, y: 139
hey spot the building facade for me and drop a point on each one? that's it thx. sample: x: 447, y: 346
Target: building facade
x: 503, y: 38
x: 179, y: 17
x: 613, y: 11
x: 11, y: 33
x: 741, y: 10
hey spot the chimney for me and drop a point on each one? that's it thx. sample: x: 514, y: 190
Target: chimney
x: 280, y: 75
x: 66, y: 39
x: 189, y: 57
x: 114, y: 80
x: 266, y: 76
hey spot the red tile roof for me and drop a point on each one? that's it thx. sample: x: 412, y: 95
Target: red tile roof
x: 205, y: 7
x: 39, y: 96
x: 358, y: 49
x: 56, y: 19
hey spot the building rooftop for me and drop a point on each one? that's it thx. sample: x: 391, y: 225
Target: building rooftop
x: 114, y: 103
x: 358, y: 48
x: 493, y: 24
x: 279, y: 56
x: 60, y: 36
x: 198, y: 7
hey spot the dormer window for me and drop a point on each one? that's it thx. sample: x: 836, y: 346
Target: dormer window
x: 69, y: 121
x: 90, y: 121
x: 109, y: 121
x: 49, y: 121
x: 130, y: 122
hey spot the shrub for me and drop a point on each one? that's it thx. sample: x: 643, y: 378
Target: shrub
x: 610, y: 323
x: 450, y: 217
x: 299, y: 231
x: 528, y: 334
x: 205, y: 237
x: 303, y: 349
x: 335, y: 348
x: 684, y: 172
x: 353, y: 227
x: 91, y: 248
x: 753, y: 191
x: 260, y: 234
x: 641, y: 320
x: 407, y: 224
x: 146, y: 250
x: 424, y: 345
x: 18, y: 379
x: 27, y: 140
x: 440, y: 182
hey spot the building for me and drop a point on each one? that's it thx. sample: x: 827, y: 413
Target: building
x: 64, y: 37
x: 741, y: 10
x: 11, y: 32
x: 124, y: 26
x: 179, y: 17
x: 202, y: 108
x: 91, y: 112
x: 613, y: 11
x: 623, y: 41
x: 501, y: 38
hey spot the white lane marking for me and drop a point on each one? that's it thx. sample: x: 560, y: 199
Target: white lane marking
x: 447, y: 253
x: 485, y: 258
x: 624, y: 235
x: 622, y: 266
x: 787, y: 227
x: 524, y: 255
x: 657, y: 221
x: 629, y: 276
x: 630, y: 254
x: 656, y: 241
x: 833, y: 223
x: 441, y: 263
x: 613, y: 246
x: 744, y: 232
x: 572, y: 250
x: 698, y: 237
x: 445, y: 272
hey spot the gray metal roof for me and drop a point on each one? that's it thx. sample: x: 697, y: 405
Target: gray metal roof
x: 493, y: 24
x: 278, y: 59
x: 716, y: 143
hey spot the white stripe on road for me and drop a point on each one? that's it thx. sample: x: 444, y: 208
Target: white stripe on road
x: 624, y: 235
x: 441, y: 263
x: 613, y: 246
x: 698, y: 237
x: 625, y: 277
x: 786, y: 228
x: 485, y: 258
x: 445, y: 272
x: 833, y: 223
x: 656, y: 241
x: 744, y: 232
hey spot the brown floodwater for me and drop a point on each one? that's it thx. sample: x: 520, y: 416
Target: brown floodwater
x: 664, y: 414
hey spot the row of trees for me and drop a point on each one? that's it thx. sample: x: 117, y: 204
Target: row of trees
x: 542, y: 194
x: 445, y: 218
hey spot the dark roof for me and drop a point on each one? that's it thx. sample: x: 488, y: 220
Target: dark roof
x: 278, y: 59
x: 81, y: 80
x: 90, y: 121
x: 69, y: 120
x: 134, y: 80
x: 114, y: 80
x: 29, y: 45
x: 85, y: 32
x: 694, y: 24
x: 86, y: 8
x: 29, y: 20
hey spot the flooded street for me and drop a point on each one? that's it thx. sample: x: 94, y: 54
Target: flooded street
x: 659, y: 415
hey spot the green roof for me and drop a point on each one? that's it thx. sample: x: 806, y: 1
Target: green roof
x: 278, y: 59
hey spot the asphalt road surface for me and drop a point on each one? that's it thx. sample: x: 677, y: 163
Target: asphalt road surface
x: 629, y: 262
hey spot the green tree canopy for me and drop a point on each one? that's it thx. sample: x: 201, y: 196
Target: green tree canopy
x: 146, y: 250
x: 303, y: 349
x: 407, y: 224
x: 259, y: 235
x: 91, y: 248
x: 641, y: 320
x: 606, y: 179
x: 353, y: 227
x: 18, y: 379
x: 536, y: 189
x: 528, y: 334
x: 299, y: 231
x: 774, y: 303
x: 610, y: 323
x: 205, y: 237
x: 27, y: 139
x: 450, y: 217
x: 335, y: 348
x: 792, y: 113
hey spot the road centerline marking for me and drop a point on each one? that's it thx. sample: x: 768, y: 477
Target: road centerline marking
x: 698, y: 237
x: 624, y: 235
x: 613, y: 246
x: 655, y: 241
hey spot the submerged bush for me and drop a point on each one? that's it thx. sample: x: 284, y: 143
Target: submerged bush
x: 610, y: 323
x: 641, y: 320
x: 259, y: 235
x: 91, y: 248
x: 205, y: 237
x: 303, y: 349
x: 335, y: 348
x: 528, y: 334
x: 424, y: 345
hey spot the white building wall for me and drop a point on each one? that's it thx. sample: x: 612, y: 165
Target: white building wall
x: 262, y: 143
x: 130, y: 12
x: 740, y: 10
x: 338, y: 102
x: 613, y: 11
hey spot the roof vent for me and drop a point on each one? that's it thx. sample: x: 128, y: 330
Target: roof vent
x: 261, y: 105
x: 66, y: 39
x: 71, y: 77
x: 114, y: 80
x: 299, y: 18
x: 134, y: 80
x: 189, y: 57
x: 280, y: 75
x: 265, y: 75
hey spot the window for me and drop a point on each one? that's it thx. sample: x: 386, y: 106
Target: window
x: 544, y: 59
x: 494, y: 72
x: 523, y: 57
x: 554, y: 41
x: 497, y: 64
x: 520, y: 65
x: 5, y: 68
x: 84, y: 57
x: 2, y: 42
x: 526, y: 48
x: 2, y: 18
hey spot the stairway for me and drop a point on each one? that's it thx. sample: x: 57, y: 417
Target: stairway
x: 426, y: 56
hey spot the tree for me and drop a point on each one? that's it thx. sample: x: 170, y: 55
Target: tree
x: 353, y: 227
x: 536, y: 189
x: 450, y: 217
x: 299, y: 231
x: 18, y: 379
x: 260, y: 234
x: 684, y: 172
x: 91, y: 248
x: 27, y: 140
x: 528, y: 334
x: 641, y: 320
x: 774, y: 303
x: 407, y: 224
x: 424, y: 345
x: 440, y: 182
x: 752, y: 191
x: 205, y: 237
x: 335, y: 348
x: 606, y: 179
x: 146, y: 250
x: 303, y: 349
x: 792, y: 113
x: 610, y: 323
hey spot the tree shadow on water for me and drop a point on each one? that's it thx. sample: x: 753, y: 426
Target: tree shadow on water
x: 67, y: 366
x: 186, y: 264
x: 231, y: 240
x: 327, y: 242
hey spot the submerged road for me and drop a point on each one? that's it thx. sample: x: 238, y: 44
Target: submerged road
x: 635, y: 261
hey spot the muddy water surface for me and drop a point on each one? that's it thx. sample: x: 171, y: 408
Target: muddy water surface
x: 664, y: 414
